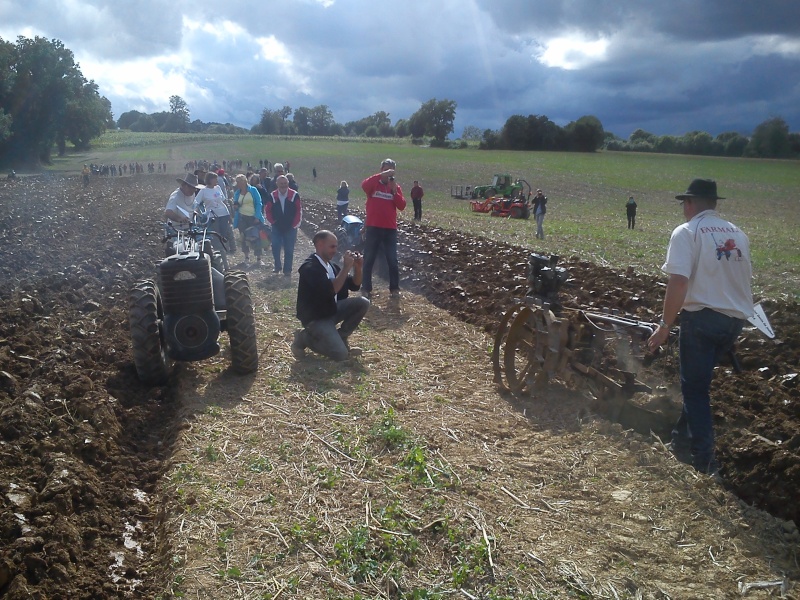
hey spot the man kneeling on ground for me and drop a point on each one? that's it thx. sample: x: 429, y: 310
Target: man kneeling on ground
x: 322, y: 300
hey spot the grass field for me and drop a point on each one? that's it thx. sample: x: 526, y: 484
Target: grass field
x: 587, y: 192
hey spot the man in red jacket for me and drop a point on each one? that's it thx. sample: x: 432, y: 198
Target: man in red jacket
x: 283, y: 210
x: 384, y: 199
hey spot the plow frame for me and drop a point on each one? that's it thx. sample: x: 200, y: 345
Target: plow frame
x: 533, y: 346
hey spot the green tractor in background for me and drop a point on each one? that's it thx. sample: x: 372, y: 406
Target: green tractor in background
x: 502, y: 185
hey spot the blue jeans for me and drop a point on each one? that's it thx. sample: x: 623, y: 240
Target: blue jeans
x: 705, y: 336
x: 377, y: 237
x: 539, y: 228
x: 323, y: 337
x: 283, y: 240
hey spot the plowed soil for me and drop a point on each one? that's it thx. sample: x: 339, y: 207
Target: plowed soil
x: 83, y: 444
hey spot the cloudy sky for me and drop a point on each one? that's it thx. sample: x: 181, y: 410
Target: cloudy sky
x: 667, y: 67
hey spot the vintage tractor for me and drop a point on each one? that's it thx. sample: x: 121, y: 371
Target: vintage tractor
x: 350, y: 233
x: 180, y: 315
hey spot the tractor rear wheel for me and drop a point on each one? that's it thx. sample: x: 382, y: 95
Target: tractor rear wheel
x: 147, y: 341
x: 516, y: 212
x: 240, y: 323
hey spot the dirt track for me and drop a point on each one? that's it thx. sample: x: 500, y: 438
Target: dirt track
x: 83, y: 443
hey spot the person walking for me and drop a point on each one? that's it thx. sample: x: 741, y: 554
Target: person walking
x: 709, y: 268
x: 416, y: 198
x: 284, y: 212
x: 384, y: 199
x: 247, y: 203
x: 342, y: 200
x: 323, y: 300
x: 539, y: 210
x: 211, y: 202
x: 630, y: 209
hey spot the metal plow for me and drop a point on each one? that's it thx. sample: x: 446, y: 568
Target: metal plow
x: 538, y: 342
x: 533, y: 346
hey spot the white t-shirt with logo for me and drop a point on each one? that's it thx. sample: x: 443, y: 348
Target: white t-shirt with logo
x: 213, y: 200
x: 714, y: 255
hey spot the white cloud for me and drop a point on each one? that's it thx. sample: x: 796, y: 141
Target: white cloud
x: 572, y: 52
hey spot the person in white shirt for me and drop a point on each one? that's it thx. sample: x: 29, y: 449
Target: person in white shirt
x: 211, y: 201
x: 180, y: 205
x: 709, y: 268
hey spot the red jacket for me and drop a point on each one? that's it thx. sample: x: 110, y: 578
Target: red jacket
x: 382, y: 205
x: 287, y: 219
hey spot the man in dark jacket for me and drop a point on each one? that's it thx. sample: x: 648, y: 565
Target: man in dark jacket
x: 323, y: 302
x: 539, y: 210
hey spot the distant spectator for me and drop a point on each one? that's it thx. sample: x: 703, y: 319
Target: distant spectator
x: 263, y: 175
x: 416, y: 197
x: 342, y: 200
x: 630, y: 208
x: 292, y: 183
x: 279, y: 170
x: 539, y: 210
x: 314, y: 172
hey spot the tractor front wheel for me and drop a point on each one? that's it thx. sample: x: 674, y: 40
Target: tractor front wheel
x: 147, y: 341
x: 516, y: 212
x: 490, y: 193
x: 240, y: 323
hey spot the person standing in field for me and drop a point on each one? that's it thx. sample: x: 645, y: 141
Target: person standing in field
x: 539, y: 210
x: 342, y: 200
x: 630, y: 208
x: 283, y: 210
x: 709, y: 268
x: 416, y: 198
x: 384, y: 199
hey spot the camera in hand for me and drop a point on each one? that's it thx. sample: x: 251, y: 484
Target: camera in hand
x: 391, y: 177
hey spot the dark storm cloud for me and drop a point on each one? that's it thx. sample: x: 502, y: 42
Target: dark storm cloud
x: 665, y: 67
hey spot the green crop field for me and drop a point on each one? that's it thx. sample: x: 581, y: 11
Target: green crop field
x: 587, y: 192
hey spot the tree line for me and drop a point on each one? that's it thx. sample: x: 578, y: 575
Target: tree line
x: 176, y: 120
x: 770, y: 139
x: 434, y: 119
x: 45, y: 102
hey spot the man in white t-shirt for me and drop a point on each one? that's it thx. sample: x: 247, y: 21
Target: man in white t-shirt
x: 708, y: 262
x: 181, y: 202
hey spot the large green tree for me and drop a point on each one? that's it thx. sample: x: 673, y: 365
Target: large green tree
x: 770, y: 139
x: 586, y: 134
x: 434, y: 118
x: 45, y: 100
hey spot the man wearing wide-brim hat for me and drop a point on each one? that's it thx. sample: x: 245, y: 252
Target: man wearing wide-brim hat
x: 182, y: 198
x: 709, y: 268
